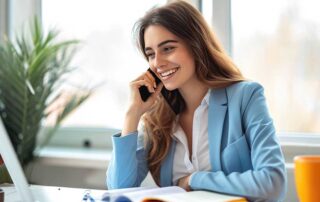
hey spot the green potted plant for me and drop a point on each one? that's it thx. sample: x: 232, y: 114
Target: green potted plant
x: 32, y: 69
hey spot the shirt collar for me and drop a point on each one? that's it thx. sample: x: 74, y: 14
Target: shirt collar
x: 205, y: 100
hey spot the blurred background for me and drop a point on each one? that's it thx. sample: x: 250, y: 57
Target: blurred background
x: 273, y: 42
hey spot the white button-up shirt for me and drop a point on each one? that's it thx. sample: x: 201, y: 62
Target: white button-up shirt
x: 200, y: 159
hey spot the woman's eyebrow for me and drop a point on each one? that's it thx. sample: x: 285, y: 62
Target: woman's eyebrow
x: 162, y: 43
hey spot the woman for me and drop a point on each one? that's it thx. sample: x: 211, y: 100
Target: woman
x: 222, y: 138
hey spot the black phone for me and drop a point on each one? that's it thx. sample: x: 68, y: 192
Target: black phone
x: 173, y: 98
x: 144, y: 92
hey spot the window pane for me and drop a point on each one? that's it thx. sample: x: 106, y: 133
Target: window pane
x: 107, y: 53
x: 277, y: 43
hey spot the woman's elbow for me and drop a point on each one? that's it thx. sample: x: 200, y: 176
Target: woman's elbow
x: 277, y: 187
x: 116, y: 185
x: 113, y: 182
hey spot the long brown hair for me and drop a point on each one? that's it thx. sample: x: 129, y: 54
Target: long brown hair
x: 213, y: 67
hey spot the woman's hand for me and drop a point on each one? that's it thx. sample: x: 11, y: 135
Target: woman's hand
x: 136, y: 104
x: 137, y: 107
x: 184, y: 183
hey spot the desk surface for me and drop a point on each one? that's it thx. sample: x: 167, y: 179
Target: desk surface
x: 52, y: 193
x: 48, y: 193
x: 61, y: 194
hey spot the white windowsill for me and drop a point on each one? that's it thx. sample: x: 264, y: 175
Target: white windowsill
x: 66, y: 147
x: 74, y: 157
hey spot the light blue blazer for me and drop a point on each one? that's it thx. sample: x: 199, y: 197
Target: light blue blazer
x: 245, y: 155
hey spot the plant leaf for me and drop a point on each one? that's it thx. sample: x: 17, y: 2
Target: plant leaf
x: 32, y: 69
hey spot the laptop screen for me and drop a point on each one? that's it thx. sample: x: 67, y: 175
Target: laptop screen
x: 15, y: 170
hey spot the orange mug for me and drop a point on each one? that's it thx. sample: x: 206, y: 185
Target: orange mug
x: 307, y: 177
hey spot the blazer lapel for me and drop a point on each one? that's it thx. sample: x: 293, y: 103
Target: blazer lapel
x: 167, y: 166
x: 216, y: 116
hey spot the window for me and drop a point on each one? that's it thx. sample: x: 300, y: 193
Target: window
x: 277, y: 43
x: 107, y: 54
x: 274, y: 43
x: 3, y: 20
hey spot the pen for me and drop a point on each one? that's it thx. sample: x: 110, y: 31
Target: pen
x: 87, y: 197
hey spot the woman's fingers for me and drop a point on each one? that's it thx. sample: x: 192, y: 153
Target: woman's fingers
x: 155, y: 95
x: 150, y: 77
x: 146, y: 79
x: 136, y: 102
x: 139, y: 83
x: 149, y: 81
x: 159, y: 88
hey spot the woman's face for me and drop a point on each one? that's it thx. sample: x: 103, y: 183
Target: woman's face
x: 169, y: 57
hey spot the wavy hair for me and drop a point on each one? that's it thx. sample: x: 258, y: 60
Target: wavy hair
x: 213, y: 67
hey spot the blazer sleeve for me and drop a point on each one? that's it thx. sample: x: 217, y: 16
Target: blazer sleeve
x: 128, y: 166
x: 266, y: 181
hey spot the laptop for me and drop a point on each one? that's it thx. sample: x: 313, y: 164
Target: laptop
x: 13, y: 166
x: 34, y: 193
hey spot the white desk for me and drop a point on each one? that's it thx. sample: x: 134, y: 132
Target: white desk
x: 48, y: 193
x: 61, y: 194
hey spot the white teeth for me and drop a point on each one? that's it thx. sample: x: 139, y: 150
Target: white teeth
x: 168, y: 72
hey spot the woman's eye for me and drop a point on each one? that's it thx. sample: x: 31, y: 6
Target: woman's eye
x: 166, y: 49
x: 150, y: 55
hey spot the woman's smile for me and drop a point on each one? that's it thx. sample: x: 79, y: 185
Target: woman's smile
x: 165, y: 75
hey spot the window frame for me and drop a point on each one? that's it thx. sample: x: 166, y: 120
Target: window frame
x: 221, y: 21
x: 3, y: 19
x: 17, y: 12
x: 222, y: 17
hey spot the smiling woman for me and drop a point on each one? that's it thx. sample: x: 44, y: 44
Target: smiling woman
x: 166, y: 53
x: 219, y: 138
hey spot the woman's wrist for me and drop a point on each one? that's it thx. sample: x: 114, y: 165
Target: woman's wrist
x: 131, y: 122
x: 133, y: 113
x: 184, y: 183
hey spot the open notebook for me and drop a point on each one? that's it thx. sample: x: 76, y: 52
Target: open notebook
x: 169, y: 194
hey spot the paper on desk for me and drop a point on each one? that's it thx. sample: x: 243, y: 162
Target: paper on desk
x: 195, y: 196
x: 138, y: 196
x: 174, y: 194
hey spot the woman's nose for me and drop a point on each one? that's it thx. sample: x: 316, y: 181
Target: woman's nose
x: 158, y: 61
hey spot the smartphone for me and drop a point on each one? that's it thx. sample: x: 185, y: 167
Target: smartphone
x: 173, y: 98
x: 144, y: 92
